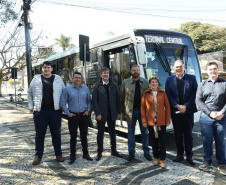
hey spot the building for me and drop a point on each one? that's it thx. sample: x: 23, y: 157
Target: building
x: 219, y: 57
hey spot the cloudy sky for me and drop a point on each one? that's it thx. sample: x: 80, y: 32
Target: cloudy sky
x: 95, y: 18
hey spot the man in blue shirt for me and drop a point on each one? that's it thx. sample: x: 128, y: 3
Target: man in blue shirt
x: 78, y: 98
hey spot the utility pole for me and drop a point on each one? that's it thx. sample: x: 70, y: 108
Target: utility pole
x: 26, y: 8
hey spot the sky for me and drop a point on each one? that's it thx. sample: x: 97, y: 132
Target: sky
x: 89, y: 17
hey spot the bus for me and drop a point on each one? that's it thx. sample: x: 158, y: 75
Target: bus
x: 154, y: 51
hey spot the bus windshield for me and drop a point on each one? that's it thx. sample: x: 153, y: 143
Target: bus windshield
x: 161, y: 61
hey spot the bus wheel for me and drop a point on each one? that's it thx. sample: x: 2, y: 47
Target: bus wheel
x: 93, y: 121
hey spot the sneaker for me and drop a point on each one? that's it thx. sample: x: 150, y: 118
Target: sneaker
x: 148, y: 157
x: 162, y: 164
x: 60, y: 158
x: 36, y: 161
x: 222, y: 169
x: 156, y: 162
x: 204, y: 166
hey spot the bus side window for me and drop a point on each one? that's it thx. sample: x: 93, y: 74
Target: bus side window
x: 77, y: 62
x: 119, y: 62
x: 93, y: 56
x: 69, y: 63
x: 132, y: 56
x: 54, y: 69
x: 65, y: 64
x: 59, y: 65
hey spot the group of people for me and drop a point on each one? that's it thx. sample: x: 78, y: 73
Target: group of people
x: 139, y: 100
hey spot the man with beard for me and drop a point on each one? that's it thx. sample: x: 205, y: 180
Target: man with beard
x: 131, y: 93
x: 107, y: 107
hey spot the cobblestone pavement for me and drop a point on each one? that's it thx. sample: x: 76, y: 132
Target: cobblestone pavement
x: 17, y: 152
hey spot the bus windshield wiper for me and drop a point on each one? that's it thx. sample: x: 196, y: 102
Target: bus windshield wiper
x: 164, y: 63
x: 182, y: 54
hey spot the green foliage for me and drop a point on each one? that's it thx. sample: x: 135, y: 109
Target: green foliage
x: 6, y: 11
x: 64, y: 42
x: 206, y: 37
x: 11, y: 82
x: 110, y: 33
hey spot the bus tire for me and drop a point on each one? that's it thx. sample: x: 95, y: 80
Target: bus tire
x: 92, y: 120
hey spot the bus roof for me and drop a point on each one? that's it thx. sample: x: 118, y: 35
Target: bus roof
x: 113, y: 39
x: 58, y: 55
x: 135, y: 33
x: 172, y: 32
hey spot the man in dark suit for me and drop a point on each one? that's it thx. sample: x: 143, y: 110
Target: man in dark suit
x: 107, y: 107
x: 181, y: 90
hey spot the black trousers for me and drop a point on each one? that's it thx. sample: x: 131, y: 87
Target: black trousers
x: 158, y: 144
x: 73, y: 124
x: 183, y: 124
x: 100, y: 135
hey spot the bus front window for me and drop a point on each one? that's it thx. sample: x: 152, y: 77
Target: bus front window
x: 156, y: 66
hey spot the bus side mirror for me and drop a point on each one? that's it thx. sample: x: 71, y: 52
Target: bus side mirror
x: 141, y: 53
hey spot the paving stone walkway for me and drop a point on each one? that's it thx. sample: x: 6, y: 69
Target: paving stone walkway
x: 17, y: 152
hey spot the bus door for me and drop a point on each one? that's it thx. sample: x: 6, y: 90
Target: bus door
x: 119, y: 62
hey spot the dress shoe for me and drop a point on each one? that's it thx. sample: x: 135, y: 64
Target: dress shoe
x: 116, y: 154
x: 178, y: 158
x: 72, y: 159
x: 60, y: 158
x: 148, y: 157
x: 190, y: 161
x: 98, y: 157
x: 87, y: 157
x: 131, y: 157
x: 36, y: 161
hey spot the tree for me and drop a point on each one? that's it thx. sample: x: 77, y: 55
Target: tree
x: 110, y: 33
x: 11, y: 82
x: 206, y: 37
x: 6, y: 11
x: 64, y: 42
x: 12, y: 53
x: 41, y: 53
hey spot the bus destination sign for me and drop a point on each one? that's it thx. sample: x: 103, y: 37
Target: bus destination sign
x: 163, y: 39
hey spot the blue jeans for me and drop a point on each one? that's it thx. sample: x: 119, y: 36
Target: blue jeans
x: 213, y: 129
x: 131, y: 136
x: 42, y: 119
